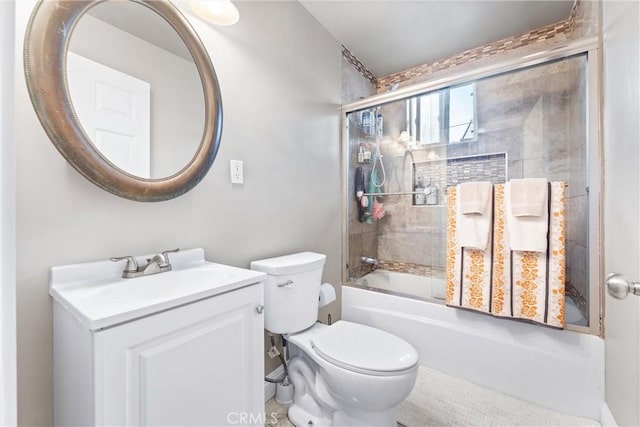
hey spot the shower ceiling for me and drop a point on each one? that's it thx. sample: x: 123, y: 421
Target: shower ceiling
x: 388, y: 36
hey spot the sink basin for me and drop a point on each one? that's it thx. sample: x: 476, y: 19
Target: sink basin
x: 99, y: 297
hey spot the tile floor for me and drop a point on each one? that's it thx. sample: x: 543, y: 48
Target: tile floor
x: 276, y: 414
x: 442, y: 400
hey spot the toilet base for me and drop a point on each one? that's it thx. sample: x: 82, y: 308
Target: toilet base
x: 307, y: 410
x: 314, y: 406
x: 301, y: 418
x: 362, y: 419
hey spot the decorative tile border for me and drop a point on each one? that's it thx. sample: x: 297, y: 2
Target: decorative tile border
x: 351, y: 59
x: 360, y: 270
x: 564, y: 27
x: 410, y: 268
x: 574, y: 13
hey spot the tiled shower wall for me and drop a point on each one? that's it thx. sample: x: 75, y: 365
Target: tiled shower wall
x: 363, y: 238
x: 535, y: 116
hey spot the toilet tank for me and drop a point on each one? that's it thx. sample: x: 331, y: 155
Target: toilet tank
x: 291, y: 291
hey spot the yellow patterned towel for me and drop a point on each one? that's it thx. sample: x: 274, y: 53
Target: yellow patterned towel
x: 530, y: 285
x: 468, y: 271
x: 506, y: 283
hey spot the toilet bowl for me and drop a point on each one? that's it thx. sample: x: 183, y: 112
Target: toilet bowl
x: 345, y: 374
x: 355, y: 375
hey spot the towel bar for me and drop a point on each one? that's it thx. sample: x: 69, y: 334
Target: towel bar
x: 407, y: 193
x: 397, y: 193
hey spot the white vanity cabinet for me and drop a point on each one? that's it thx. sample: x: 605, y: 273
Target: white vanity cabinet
x: 195, y: 360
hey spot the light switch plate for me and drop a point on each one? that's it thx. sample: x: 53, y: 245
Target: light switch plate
x: 237, y: 172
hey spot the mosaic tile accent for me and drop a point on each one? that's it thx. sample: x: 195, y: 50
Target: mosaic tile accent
x: 457, y: 170
x: 573, y: 14
x: 575, y: 22
x: 407, y: 267
x: 584, y: 18
x: 490, y: 167
x: 351, y: 58
x: 358, y: 271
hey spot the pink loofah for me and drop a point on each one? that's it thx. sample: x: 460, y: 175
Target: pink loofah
x: 377, y: 211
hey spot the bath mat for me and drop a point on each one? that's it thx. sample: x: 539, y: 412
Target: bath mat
x: 439, y: 399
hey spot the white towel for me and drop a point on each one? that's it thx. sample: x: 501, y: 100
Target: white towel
x: 475, y: 197
x: 468, y: 270
x: 527, y: 233
x: 529, y: 197
x: 473, y: 230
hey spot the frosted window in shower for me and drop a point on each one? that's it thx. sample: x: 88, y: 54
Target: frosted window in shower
x: 461, y: 113
x: 429, y: 119
x: 443, y: 116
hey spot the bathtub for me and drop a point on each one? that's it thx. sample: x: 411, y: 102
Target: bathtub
x: 410, y: 285
x: 556, y: 369
x: 433, y: 289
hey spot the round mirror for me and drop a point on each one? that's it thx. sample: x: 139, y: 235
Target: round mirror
x: 135, y: 89
x: 128, y: 96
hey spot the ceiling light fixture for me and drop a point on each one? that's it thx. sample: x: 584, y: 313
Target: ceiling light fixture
x: 219, y: 12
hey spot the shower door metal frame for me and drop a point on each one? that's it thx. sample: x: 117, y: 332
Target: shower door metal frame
x: 588, y: 46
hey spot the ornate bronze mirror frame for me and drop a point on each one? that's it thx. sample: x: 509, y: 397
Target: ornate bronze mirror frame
x: 46, y: 44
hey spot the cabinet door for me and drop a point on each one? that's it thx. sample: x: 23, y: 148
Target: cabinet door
x: 199, y: 364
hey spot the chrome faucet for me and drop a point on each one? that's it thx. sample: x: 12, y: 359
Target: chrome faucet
x: 159, y: 263
x: 369, y: 260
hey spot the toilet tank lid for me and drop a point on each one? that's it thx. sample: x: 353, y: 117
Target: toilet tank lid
x: 290, y: 264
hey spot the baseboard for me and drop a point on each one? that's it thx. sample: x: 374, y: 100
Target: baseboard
x: 270, y: 388
x: 606, y: 417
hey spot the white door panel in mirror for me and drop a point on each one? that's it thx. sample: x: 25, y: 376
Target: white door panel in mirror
x: 113, y: 108
x: 136, y: 41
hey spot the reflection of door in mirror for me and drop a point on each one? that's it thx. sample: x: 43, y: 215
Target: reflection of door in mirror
x: 113, y: 108
x: 133, y: 39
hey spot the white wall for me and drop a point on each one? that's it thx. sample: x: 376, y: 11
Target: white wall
x: 7, y: 221
x: 621, y: 137
x: 280, y: 74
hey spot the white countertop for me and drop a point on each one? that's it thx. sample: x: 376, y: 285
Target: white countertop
x: 97, y: 295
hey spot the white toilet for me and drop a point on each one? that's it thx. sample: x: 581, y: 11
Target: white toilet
x: 345, y: 374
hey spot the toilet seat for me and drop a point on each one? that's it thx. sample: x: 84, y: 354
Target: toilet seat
x: 364, y: 349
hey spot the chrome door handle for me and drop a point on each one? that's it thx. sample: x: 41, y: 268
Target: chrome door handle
x: 259, y: 309
x: 619, y: 287
x: 287, y: 283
